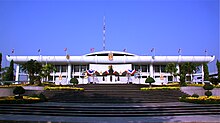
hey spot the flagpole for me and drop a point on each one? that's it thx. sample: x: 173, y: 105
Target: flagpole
x: 206, y: 52
x: 104, y: 33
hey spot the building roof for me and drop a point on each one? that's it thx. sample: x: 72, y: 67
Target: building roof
x: 106, y: 53
x: 117, y: 58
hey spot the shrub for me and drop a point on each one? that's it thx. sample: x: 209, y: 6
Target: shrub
x: 214, y: 81
x: 208, y: 87
x: 19, y: 90
x: 208, y: 93
x: 74, y: 81
x: 195, y: 95
x: 7, y: 83
x: 149, y: 80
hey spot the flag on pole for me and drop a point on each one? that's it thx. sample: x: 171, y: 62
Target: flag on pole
x: 65, y: 49
x: 206, y: 52
x: 124, y: 50
x: 152, y: 50
x: 92, y: 50
x: 12, y: 51
x: 179, y: 51
x: 38, y: 50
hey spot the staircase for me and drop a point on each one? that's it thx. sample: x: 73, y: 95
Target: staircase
x: 109, y: 111
x: 114, y: 93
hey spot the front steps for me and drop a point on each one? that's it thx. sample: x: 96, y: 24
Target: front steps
x: 110, y: 111
x: 114, y: 93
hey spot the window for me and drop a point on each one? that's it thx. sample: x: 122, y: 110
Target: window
x: 188, y: 78
x: 156, y: 68
x: 163, y: 68
x: 170, y: 78
x: 136, y: 67
x: 145, y: 68
x: 63, y: 68
x: 76, y: 68
x: 57, y: 67
x: 83, y: 68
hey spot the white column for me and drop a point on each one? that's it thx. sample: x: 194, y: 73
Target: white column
x: 68, y: 73
x: 53, y: 76
x: 202, y: 69
x: 178, y: 71
x: 17, y: 73
x: 151, y: 70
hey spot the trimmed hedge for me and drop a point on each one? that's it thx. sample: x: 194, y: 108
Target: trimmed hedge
x: 63, y: 88
x: 160, y: 88
x: 201, y: 99
x: 24, y: 100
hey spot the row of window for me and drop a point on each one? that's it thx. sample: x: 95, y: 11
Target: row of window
x: 142, y: 68
x: 76, y: 68
x: 146, y: 68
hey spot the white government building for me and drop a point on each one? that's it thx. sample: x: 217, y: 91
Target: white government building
x: 83, y: 67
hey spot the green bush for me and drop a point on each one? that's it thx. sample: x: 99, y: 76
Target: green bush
x: 7, y: 83
x: 208, y: 87
x: 195, y: 95
x: 208, y: 93
x: 214, y: 81
x: 149, y: 80
x: 19, y: 90
x: 74, y: 81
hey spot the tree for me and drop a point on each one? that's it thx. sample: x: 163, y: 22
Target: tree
x: 218, y: 67
x: 19, y: 90
x: 214, y: 81
x: 171, y: 68
x: 149, y: 80
x: 46, y: 70
x: 206, y: 71
x: 187, y: 68
x: 74, y: 81
x: 33, y: 68
x: 9, y: 75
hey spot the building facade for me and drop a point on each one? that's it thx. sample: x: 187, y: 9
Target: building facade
x: 94, y: 67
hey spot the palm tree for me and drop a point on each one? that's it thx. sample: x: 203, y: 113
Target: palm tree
x: 171, y: 68
x: 33, y: 68
x: 46, y: 70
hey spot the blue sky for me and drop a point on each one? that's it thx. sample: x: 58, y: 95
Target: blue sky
x: 137, y: 25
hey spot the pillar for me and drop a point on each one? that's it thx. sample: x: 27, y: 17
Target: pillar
x: 178, y: 71
x: 151, y: 71
x: 17, y: 73
x: 68, y: 73
x: 202, y: 69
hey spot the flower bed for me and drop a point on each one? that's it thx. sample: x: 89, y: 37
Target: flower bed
x: 25, y: 100
x: 160, y: 88
x: 201, y: 99
x: 63, y: 88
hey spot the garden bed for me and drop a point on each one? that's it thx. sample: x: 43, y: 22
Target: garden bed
x: 25, y: 100
x: 201, y: 99
x: 160, y: 88
x: 63, y: 88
